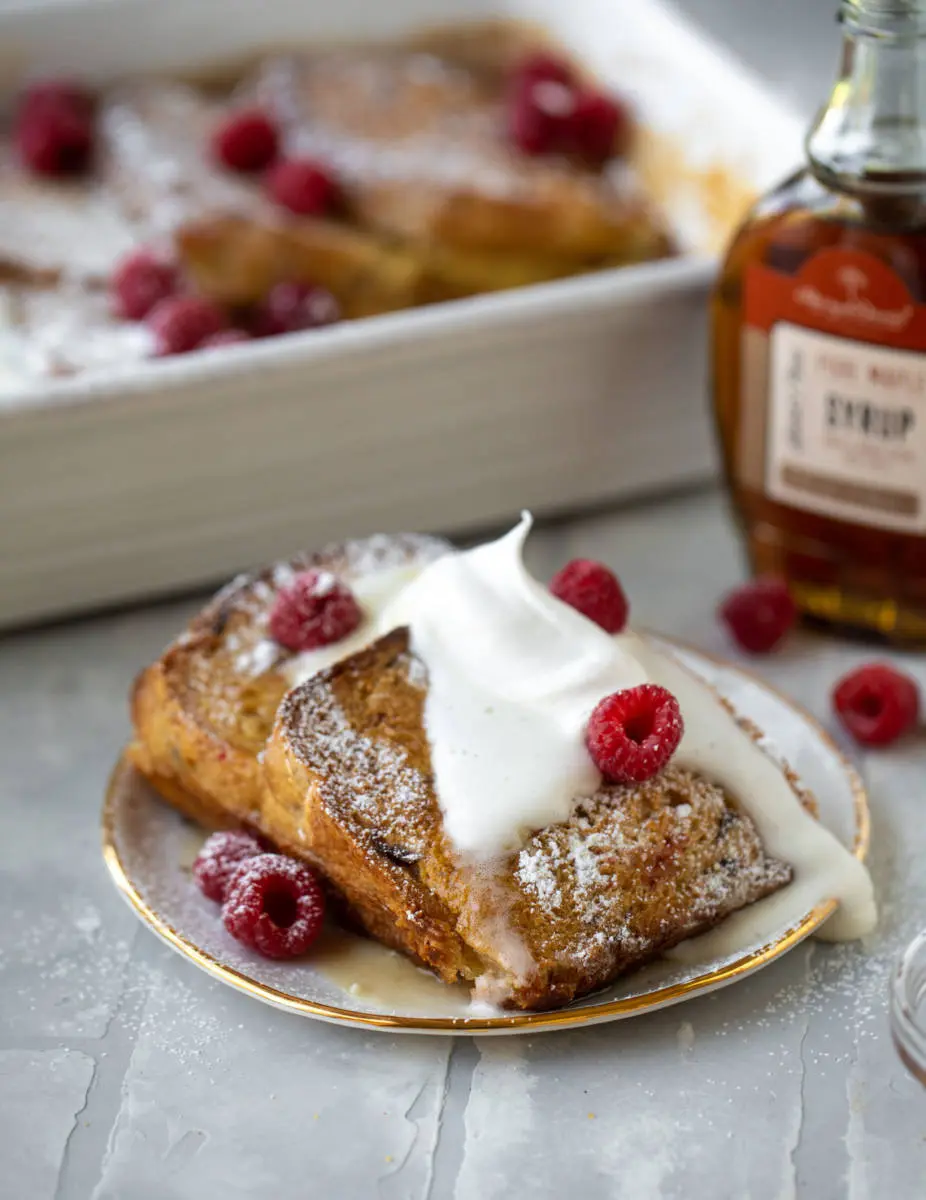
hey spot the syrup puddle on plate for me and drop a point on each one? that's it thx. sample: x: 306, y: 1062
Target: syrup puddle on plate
x: 383, y: 979
x: 191, y: 843
x: 379, y: 978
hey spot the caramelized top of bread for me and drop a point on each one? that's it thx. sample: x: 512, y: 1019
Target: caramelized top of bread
x: 419, y: 144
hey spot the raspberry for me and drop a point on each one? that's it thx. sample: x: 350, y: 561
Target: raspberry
x: 877, y: 704
x: 290, y: 307
x: 246, y: 141
x: 58, y: 94
x: 302, y: 185
x: 598, y: 128
x: 759, y: 614
x: 183, y: 323
x: 542, y: 67
x: 225, y: 337
x: 631, y: 735
x: 594, y: 590
x: 54, y: 139
x: 221, y: 856
x: 539, y: 115
x: 315, y: 610
x: 275, y: 905
x: 139, y: 282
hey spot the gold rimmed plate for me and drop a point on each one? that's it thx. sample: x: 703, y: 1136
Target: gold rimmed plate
x: 149, y: 849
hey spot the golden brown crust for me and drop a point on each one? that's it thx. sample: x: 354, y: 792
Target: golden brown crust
x: 632, y: 872
x: 203, y: 712
x: 417, y: 135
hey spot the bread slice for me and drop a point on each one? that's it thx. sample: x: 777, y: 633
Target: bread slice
x: 416, y: 134
x: 203, y: 712
x: 634, y: 870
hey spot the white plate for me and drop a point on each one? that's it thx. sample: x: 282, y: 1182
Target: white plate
x: 149, y: 849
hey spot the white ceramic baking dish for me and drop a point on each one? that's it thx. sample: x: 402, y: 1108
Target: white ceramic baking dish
x: 177, y: 473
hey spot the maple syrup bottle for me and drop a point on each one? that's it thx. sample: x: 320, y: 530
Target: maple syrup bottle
x: 819, y: 345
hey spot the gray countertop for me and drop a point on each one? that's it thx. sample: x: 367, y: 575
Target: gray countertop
x: 127, y: 1074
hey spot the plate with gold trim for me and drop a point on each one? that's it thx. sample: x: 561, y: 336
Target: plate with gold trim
x: 149, y: 849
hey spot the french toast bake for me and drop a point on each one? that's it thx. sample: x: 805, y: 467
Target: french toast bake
x: 493, y: 777
x: 385, y: 176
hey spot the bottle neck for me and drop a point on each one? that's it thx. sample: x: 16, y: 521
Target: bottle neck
x: 871, y: 135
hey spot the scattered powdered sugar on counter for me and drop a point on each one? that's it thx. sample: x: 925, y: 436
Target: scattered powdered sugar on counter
x: 66, y: 977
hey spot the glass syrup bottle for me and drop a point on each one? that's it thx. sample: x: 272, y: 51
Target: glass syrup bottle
x: 819, y: 345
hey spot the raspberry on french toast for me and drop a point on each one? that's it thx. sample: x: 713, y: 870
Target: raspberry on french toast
x: 203, y: 712
x: 634, y: 870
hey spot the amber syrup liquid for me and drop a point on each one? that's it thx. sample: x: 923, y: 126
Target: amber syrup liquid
x: 841, y: 573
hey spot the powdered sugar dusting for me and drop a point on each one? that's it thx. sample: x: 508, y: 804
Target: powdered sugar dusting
x: 365, y: 564
x: 238, y: 616
x: 257, y: 659
x: 372, y: 777
x: 438, y: 127
x: 632, y: 870
x: 672, y: 844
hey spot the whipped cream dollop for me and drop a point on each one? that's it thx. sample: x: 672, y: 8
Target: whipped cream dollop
x: 513, y: 675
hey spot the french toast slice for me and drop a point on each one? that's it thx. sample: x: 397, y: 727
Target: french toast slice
x: 635, y: 869
x: 234, y: 243
x: 416, y: 135
x: 435, y: 206
x: 203, y: 712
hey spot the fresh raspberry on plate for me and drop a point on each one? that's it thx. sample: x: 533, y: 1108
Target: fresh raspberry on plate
x: 246, y: 140
x: 594, y: 590
x: 182, y: 323
x: 877, y: 704
x: 302, y: 185
x: 220, y: 857
x: 292, y: 307
x: 759, y: 614
x: 315, y: 610
x: 140, y: 281
x: 631, y: 735
x: 275, y: 905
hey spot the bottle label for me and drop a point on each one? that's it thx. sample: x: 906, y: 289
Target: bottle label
x: 834, y: 391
